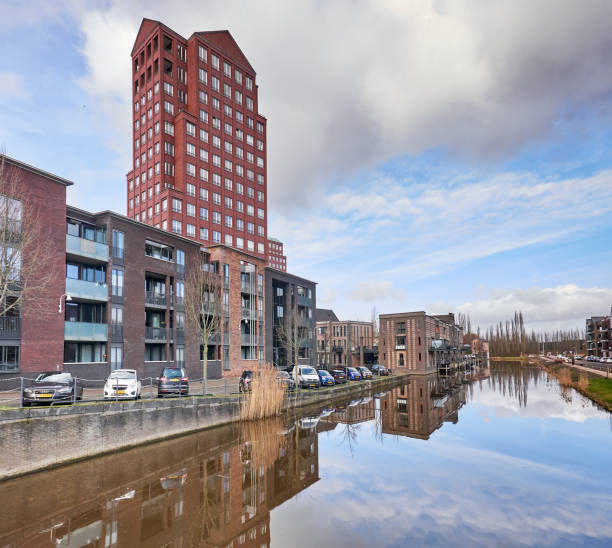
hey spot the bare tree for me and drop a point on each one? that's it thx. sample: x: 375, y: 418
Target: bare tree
x: 203, y: 307
x: 25, y: 256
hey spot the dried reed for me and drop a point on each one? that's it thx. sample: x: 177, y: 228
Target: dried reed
x: 265, y: 439
x: 266, y: 396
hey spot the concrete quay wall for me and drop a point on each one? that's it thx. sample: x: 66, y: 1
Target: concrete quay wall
x: 37, y: 438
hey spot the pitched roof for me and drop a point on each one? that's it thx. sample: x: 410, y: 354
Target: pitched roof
x: 325, y: 315
x: 224, y: 41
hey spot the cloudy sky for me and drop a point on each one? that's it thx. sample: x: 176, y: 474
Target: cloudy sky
x: 423, y: 155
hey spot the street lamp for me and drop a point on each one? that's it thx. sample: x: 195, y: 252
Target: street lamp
x: 68, y: 298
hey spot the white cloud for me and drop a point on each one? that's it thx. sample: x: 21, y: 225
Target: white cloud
x: 11, y: 85
x: 375, y: 290
x: 547, y: 307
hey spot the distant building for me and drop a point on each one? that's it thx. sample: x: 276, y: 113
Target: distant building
x: 325, y: 315
x: 345, y: 343
x: 480, y: 347
x: 599, y: 336
x: 276, y: 257
x: 419, y: 343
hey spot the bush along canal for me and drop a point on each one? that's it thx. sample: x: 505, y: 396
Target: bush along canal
x: 505, y: 456
x: 41, y: 437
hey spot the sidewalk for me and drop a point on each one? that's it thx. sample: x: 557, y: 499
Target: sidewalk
x: 577, y: 366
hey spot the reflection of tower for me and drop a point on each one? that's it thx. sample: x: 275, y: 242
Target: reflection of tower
x: 418, y: 409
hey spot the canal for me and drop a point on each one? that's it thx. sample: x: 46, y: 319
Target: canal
x: 500, y: 457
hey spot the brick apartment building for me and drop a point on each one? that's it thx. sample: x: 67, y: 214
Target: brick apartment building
x: 416, y: 342
x: 599, y: 336
x: 343, y: 343
x: 199, y: 142
x: 276, y: 256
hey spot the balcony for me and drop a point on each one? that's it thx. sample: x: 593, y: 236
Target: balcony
x: 247, y: 287
x: 247, y: 340
x: 84, y: 331
x: 247, y: 314
x: 86, y: 248
x: 213, y: 339
x: 154, y: 298
x: 10, y: 327
x: 303, y: 300
x: 179, y: 335
x: 179, y: 301
x: 158, y: 334
x: 337, y: 349
x: 81, y: 289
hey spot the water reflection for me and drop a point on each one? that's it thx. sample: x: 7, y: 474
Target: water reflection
x: 470, y: 484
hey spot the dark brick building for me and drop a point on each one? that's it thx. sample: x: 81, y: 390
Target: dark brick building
x: 199, y: 142
x: 276, y: 256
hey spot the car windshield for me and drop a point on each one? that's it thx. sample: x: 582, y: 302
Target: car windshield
x: 308, y: 371
x: 283, y: 374
x: 353, y: 370
x: 172, y: 373
x: 119, y: 374
x: 324, y: 374
x: 60, y: 378
x: 247, y: 374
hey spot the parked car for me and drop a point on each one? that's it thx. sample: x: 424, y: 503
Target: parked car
x: 173, y: 381
x: 52, y: 387
x: 352, y: 374
x: 244, y: 384
x: 338, y: 375
x: 307, y: 377
x: 122, y: 384
x: 365, y: 372
x: 325, y: 378
x: 285, y: 380
x: 380, y: 370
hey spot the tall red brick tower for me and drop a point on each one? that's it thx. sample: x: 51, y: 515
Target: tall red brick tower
x: 199, y: 164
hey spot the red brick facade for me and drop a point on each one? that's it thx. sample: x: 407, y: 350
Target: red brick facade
x: 199, y: 142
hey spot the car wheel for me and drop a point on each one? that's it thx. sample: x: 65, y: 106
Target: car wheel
x: 160, y: 396
x: 26, y: 404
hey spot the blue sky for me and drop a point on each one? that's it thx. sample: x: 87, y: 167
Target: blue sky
x: 445, y: 156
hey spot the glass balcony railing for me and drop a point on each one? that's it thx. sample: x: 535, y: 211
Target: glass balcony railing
x: 86, y: 248
x: 84, y: 331
x: 81, y: 289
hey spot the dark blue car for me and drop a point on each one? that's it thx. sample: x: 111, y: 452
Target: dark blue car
x: 352, y: 374
x: 325, y: 378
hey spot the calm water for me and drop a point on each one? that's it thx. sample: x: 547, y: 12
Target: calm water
x: 505, y: 458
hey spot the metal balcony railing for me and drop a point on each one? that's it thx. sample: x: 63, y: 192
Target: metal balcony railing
x: 155, y: 298
x: 156, y: 333
x: 10, y: 327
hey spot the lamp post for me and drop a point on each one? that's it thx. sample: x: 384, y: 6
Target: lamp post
x: 68, y: 298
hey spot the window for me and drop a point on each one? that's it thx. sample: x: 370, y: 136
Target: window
x: 238, y: 76
x: 260, y: 230
x: 249, y: 103
x: 203, y: 174
x: 204, y: 135
x: 191, y: 230
x: 168, y: 107
x: 216, y: 141
x: 168, y: 89
x: 260, y: 248
x: 250, y: 228
x: 216, y: 179
x: 216, y: 160
x: 214, y: 61
x: 227, y: 110
x: 229, y: 240
x: 191, y: 169
x: 191, y: 149
x: 228, y: 202
x: 250, y: 123
x: 249, y: 83
x: 240, y: 243
x: 215, y: 83
x: 227, y: 164
x: 202, y: 53
x: 228, y: 183
x: 216, y: 122
x: 216, y: 104
x: 204, y: 194
x: 228, y: 221
x: 216, y: 218
x: 204, y: 117
x: 190, y: 189
x: 239, y: 224
x: 203, y: 233
x: 169, y: 168
x: 250, y: 245
x: 227, y: 91
x: 177, y: 205
x: 117, y: 282
x: 239, y: 170
x: 169, y: 128
x: 202, y: 76
x: 190, y: 210
x: 260, y: 178
x: 260, y: 162
x: 239, y: 117
x: 164, y: 204
x: 260, y: 129
x: 227, y: 128
x: 118, y: 238
x: 216, y: 236
x: 203, y: 96
x: 190, y: 129
x: 204, y: 214
x: 250, y: 210
x: 260, y: 196
x: 159, y: 251
x: 260, y: 212
x: 176, y: 226
x: 216, y: 198
x: 239, y: 188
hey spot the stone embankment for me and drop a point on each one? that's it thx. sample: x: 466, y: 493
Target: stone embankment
x: 36, y: 438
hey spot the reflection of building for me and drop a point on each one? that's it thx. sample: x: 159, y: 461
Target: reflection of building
x: 480, y: 347
x: 416, y: 342
x: 217, y: 496
x: 599, y: 336
x: 343, y: 343
x: 418, y: 409
x: 354, y: 412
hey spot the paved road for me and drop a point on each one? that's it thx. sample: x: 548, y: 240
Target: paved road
x: 603, y: 369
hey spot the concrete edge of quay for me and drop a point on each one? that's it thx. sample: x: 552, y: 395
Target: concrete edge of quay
x: 36, y: 439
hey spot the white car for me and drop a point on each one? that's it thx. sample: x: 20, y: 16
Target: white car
x: 307, y: 377
x: 122, y: 384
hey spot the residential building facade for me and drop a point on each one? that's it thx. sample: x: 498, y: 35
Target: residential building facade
x: 419, y: 343
x: 599, y: 336
x: 276, y: 256
x: 199, y: 143
x: 344, y: 343
x: 291, y: 303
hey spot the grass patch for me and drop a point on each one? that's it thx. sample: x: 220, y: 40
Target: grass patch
x: 601, y: 387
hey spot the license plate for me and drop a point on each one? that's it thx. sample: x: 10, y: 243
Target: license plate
x: 174, y: 380
x: 121, y: 392
x: 44, y: 395
x: 312, y: 386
